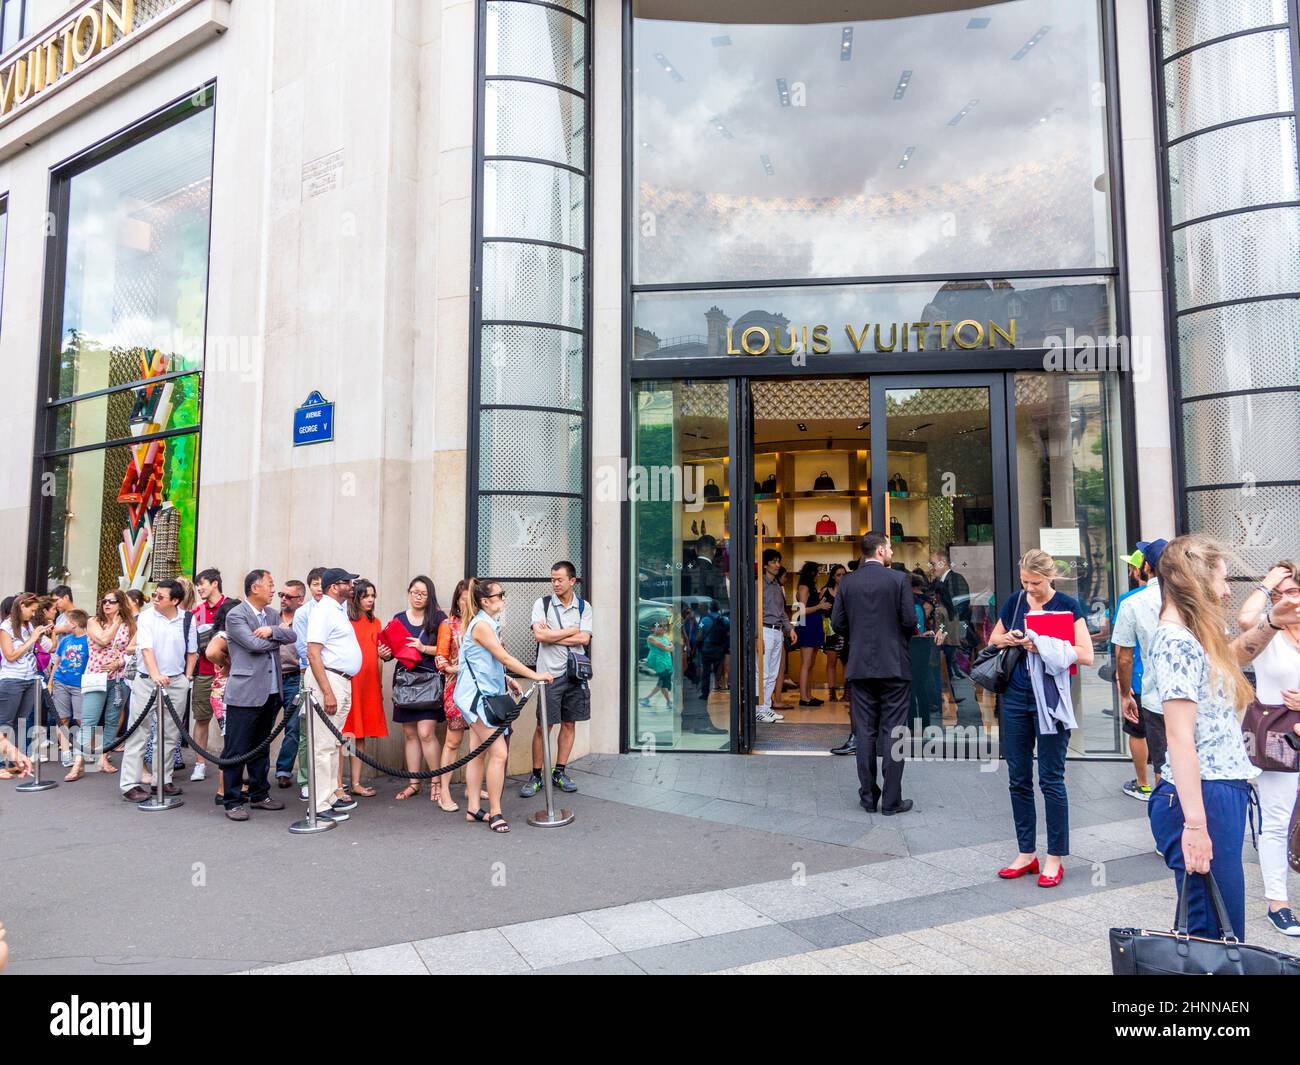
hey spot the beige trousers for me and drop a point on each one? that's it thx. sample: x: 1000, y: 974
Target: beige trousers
x: 325, y: 751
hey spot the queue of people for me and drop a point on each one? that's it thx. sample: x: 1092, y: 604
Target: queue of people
x: 243, y: 662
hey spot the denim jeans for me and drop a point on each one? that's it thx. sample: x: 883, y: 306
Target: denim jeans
x: 1225, y: 818
x: 288, y: 756
x: 17, y: 705
x: 101, y: 708
x: 1019, y: 735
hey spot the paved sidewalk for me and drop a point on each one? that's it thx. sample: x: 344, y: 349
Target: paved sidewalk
x: 675, y: 864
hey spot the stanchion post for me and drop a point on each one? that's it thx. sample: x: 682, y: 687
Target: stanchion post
x: 550, y: 817
x: 311, y: 823
x: 34, y: 751
x: 160, y: 800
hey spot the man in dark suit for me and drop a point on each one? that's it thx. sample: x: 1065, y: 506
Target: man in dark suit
x: 874, y: 609
x: 954, y: 592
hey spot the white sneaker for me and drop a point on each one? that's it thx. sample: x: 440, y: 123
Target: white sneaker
x: 65, y: 759
x: 768, y: 717
x: 200, y: 771
x: 304, y: 796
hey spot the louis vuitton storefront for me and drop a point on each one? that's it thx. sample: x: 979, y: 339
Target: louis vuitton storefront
x: 864, y: 253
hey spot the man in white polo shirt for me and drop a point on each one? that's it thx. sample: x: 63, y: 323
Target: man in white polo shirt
x: 333, y: 658
x: 168, y: 651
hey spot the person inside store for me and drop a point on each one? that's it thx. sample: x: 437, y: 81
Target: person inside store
x: 1038, y: 712
x: 776, y: 631
x: 711, y: 645
x: 875, y: 611
x: 810, y: 612
x: 952, y: 591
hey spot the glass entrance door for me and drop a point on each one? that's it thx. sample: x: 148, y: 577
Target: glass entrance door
x: 940, y: 478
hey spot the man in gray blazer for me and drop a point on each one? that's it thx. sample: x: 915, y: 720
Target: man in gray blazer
x: 254, y: 636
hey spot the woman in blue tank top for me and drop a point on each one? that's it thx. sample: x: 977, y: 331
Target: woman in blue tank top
x: 483, y: 662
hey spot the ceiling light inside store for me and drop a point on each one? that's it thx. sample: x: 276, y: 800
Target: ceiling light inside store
x: 802, y: 428
x: 904, y: 79
x: 783, y: 91
x: 1028, y: 46
x: 846, y: 44
x: 970, y: 106
x: 907, y: 157
x: 669, y: 69
x: 862, y: 425
x: 767, y: 165
x: 717, y: 124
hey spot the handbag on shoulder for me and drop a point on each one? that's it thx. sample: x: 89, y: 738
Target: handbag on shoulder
x: 1140, y: 952
x: 993, y: 666
x: 1293, y: 840
x: 1266, y: 729
x: 417, y: 690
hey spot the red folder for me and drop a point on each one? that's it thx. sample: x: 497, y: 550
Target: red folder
x: 396, y: 637
x: 1057, y: 623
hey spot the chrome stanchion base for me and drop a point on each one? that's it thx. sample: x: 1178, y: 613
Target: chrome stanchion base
x: 36, y: 785
x: 544, y: 819
x: 306, y: 828
x: 167, y: 802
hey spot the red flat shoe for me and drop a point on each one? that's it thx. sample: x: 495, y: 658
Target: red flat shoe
x: 1051, y: 881
x: 1015, y: 874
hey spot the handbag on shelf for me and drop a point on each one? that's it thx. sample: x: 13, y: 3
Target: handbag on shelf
x: 896, y: 528
x: 1139, y: 952
x: 824, y: 482
x: 1266, y: 728
x: 826, y: 526
x: 712, y: 493
x: 897, y: 485
x: 417, y: 690
x: 769, y: 484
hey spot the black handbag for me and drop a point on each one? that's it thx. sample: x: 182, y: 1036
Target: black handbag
x: 993, y: 666
x: 824, y: 482
x: 416, y: 690
x: 769, y: 485
x: 897, y: 484
x: 1139, y: 952
x: 896, y: 528
x: 497, y: 710
x: 712, y: 492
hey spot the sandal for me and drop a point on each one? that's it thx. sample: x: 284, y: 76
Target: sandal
x: 105, y: 766
x: 475, y: 815
x: 364, y: 791
x: 409, y: 791
x: 497, y: 823
x: 449, y: 809
x: 6, y: 774
x: 75, y: 773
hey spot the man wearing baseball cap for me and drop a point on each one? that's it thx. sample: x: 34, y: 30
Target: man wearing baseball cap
x: 1135, y: 626
x: 1139, y: 787
x: 333, y: 658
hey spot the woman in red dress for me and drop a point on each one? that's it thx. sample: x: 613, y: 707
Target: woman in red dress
x: 366, y: 717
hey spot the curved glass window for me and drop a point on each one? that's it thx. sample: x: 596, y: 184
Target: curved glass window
x: 864, y: 145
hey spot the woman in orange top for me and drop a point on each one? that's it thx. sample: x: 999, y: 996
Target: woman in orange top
x: 366, y: 717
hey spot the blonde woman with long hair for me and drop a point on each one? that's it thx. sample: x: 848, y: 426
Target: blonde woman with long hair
x: 1023, y: 729
x: 1198, y: 810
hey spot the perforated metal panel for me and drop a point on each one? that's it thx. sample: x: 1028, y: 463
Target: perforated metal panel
x: 1236, y: 78
x: 530, y: 451
x: 533, y: 200
x: 535, y: 42
x: 1261, y: 526
x: 1185, y: 23
x: 534, y: 120
x: 524, y: 536
x: 527, y: 365
x: 1246, y: 345
x: 1240, y: 166
x: 532, y: 283
x: 1242, y: 439
x: 1255, y: 254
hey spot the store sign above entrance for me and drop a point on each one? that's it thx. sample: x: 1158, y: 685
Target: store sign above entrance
x: 68, y: 47
x: 313, y: 422
x: 968, y: 335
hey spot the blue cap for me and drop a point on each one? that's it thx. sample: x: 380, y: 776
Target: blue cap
x: 1152, y: 550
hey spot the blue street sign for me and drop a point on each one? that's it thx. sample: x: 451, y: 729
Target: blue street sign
x: 313, y: 422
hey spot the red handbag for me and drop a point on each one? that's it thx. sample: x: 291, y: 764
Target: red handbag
x: 826, y: 527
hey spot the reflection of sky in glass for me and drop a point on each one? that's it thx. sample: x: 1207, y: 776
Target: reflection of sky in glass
x: 932, y: 150
x: 694, y: 324
x: 138, y: 247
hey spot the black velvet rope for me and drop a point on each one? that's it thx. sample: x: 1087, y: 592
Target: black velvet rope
x: 223, y: 763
